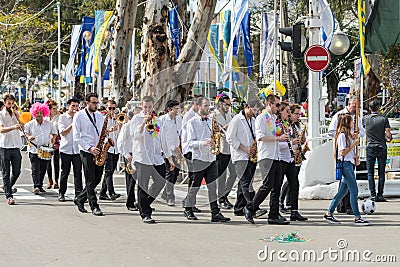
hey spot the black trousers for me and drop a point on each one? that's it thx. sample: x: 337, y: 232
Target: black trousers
x: 290, y: 170
x: 170, y: 177
x: 93, y: 175
x: 245, y: 170
x: 66, y: 161
x: 147, y: 195
x: 39, y: 167
x: 56, y: 162
x: 10, y: 158
x: 209, y: 171
x: 271, y: 171
x: 109, y: 168
x: 285, y: 191
x: 225, y: 183
x: 130, y: 181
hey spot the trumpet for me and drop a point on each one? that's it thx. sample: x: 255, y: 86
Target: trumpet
x: 121, y: 118
x: 150, y: 127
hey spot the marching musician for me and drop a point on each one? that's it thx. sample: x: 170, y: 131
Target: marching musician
x: 87, y: 128
x: 199, y: 131
x: 147, y: 134
x: 241, y: 136
x: 39, y: 132
x: 112, y: 155
x: 172, y: 124
x: 69, y: 151
x: 53, y: 118
x: 225, y: 182
x: 125, y: 147
x: 268, y: 159
x: 10, y: 144
x: 286, y: 157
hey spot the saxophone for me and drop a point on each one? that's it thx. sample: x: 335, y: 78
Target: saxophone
x: 298, y: 159
x: 216, y: 136
x: 254, y: 157
x: 100, y: 159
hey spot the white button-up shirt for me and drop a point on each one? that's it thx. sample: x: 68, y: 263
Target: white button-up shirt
x: 54, y: 121
x: 125, y: 138
x: 147, y: 149
x: 334, y: 121
x: 172, y: 129
x: 239, y: 133
x: 113, y: 135
x: 266, y: 150
x: 84, y: 132
x: 42, y: 133
x: 11, y: 139
x: 186, y: 118
x: 198, y: 131
x: 67, y: 144
x: 225, y: 148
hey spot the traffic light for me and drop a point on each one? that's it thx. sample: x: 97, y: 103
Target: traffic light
x: 295, y: 45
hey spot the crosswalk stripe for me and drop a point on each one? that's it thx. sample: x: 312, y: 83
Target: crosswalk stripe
x: 23, y: 194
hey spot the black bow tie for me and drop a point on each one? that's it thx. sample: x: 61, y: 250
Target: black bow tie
x: 204, y: 119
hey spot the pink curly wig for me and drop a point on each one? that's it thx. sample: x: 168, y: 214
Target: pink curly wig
x: 40, y: 107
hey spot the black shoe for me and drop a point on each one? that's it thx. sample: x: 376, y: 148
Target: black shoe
x: 229, y: 203
x: 61, y: 198
x: 189, y: 215
x: 13, y: 190
x: 219, y: 218
x: 278, y: 221
x: 42, y: 190
x: 260, y: 212
x: 248, y: 215
x: 380, y: 199
x: 115, y: 196
x: 104, y: 197
x: 97, y: 212
x: 283, y: 210
x: 80, y: 206
x: 349, y: 212
x: 194, y: 209
x: 148, y: 220
x: 224, y: 205
x: 296, y: 216
x: 134, y: 208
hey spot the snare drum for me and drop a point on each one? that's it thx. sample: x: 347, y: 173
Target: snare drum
x: 45, y: 152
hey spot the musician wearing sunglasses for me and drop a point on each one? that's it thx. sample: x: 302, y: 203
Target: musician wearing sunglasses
x: 10, y: 143
x: 39, y: 132
x: 112, y: 155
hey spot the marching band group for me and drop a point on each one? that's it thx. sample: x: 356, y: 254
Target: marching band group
x: 215, y: 146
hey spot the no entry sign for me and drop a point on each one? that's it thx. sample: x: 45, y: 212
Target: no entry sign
x: 317, y: 58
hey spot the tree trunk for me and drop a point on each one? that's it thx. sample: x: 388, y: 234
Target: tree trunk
x: 125, y: 16
x: 4, y: 67
x: 159, y: 77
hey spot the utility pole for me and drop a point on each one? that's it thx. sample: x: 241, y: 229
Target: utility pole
x: 59, y: 52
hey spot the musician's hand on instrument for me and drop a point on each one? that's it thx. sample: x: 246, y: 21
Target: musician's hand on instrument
x: 295, y: 141
x: 252, y: 151
x: 31, y: 138
x: 16, y: 126
x: 94, y: 150
x: 209, y: 142
x: 296, y: 152
x: 129, y: 158
x: 283, y: 137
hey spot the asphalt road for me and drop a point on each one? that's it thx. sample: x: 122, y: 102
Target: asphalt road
x: 40, y: 231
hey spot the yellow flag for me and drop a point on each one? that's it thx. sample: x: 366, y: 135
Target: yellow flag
x: 99, y: 38
x: 362, y: 21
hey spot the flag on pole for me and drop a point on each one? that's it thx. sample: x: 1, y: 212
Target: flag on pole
x: 69, y: 69
x: 267, y: 44
x: 108, y: 17
x: 174, y: 30
x: 328, y: 22
x: 239, y: 8
x: 248, y: 52
x: 87, y: 32
x: 362, y: 21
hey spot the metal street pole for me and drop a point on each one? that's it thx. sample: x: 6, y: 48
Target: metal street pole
x: 59, y: 52
x: 275, y: 43
x: 314, y: 78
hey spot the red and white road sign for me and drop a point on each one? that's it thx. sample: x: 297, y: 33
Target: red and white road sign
x: 317, y: 58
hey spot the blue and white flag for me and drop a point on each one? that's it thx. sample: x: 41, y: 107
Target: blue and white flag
x: 239, y: 8
x: 87, y: 33
x: 174, y: 30
x: 267, y: 44
x: 69, y: 69
x: 328, y: 22
x: 248, y: 52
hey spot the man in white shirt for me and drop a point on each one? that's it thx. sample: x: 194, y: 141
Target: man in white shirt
x: 39, y: 132
x: 203, y: 162
x: 124, y: 144
x: 225, y: 182
x: 147, y: 133
x: 69, y: 151
x: 87, y: 127
x: 10, y: 143
x: 172, y: 124
x: 241, y: 136
x: 270, y: 166
x: 112, y: 155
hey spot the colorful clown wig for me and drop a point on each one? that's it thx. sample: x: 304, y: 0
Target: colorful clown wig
x: 40, y: 107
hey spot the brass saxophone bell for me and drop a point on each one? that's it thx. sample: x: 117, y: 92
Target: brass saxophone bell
x: 130, y: 169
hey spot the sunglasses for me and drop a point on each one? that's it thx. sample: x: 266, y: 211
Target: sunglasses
x: 111, y: 108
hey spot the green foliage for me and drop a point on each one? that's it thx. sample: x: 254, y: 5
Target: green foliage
x: 390, y: 71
